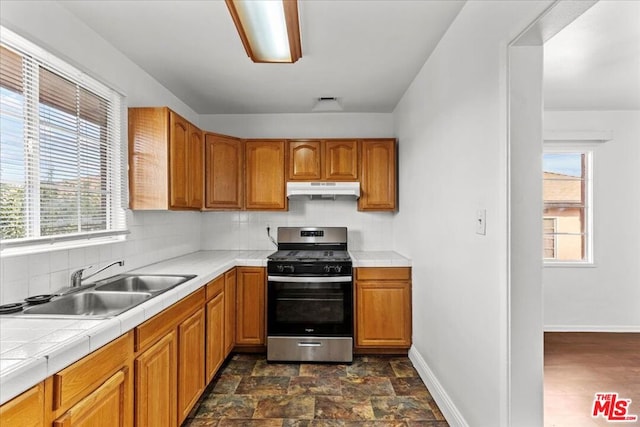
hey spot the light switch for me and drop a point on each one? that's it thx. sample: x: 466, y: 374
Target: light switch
x: 481, y: 221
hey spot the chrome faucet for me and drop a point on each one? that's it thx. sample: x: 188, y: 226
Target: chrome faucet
x: 76, y: 276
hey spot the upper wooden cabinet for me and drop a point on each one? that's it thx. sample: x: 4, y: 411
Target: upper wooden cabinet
x: 224, y: 172
x: 323, y: 160
x: 304, y: 160
x: 378, y: 175
x: 165, y: 161
x: 265, y: 175
x: 341, y: 160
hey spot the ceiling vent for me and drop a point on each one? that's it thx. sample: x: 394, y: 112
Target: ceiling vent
x: 326, y: 104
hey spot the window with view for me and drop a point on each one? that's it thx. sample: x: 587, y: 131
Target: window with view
x: 566, y: 197
x: 60, y: 150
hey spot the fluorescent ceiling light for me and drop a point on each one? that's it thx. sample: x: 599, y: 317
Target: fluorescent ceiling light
x: 327, y: 104
x: 268, y: 29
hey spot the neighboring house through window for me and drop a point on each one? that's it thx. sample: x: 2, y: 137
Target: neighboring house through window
x: 567, y: 222
x: 61, y: 163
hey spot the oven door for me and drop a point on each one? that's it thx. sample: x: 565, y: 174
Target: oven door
x: 310, y: 306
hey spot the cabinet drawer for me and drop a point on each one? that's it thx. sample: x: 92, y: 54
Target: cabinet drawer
x: 214, y: 287
x: 160, y: 325
x: 383, y: 273
x: 79, y: 379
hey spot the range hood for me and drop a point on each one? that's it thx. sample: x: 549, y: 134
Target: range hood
x: 323, y: 190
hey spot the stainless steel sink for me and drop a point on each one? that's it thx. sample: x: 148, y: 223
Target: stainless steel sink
x: 90, y: 304
x: 152, y: 283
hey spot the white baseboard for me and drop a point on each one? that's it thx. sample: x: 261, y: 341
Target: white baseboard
x: 446, y: 405
x: 591, y: 328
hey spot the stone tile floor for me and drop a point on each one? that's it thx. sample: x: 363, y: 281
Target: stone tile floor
x: 373, y: 391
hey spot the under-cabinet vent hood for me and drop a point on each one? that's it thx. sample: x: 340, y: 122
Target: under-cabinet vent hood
x: 323, y: 190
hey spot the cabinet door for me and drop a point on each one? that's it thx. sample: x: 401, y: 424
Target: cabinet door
x: 229, y: 311
x: 190, y: 363
x: 341, y: 160
x: 105, y: 407
x: 178, y: 159
x: 383, y: 314
x: 224, y: 172
x: 148, y: 158
x: 378, y: 180
x: 156, y: 384
x: 215, y: 335
x: 250, y: 306
x: 265, y: 183
x: 25, y: 410
x: 304, y: 160
x: 195, y: 168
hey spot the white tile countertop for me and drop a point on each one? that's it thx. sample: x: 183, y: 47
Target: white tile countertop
x: 33, y: 349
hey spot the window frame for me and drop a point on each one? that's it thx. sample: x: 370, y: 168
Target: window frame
x: 114, y: 175
x: 588, y: 149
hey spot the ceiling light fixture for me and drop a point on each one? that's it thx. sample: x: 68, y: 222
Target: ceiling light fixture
x: 268, y: 29
x: 326, y: 104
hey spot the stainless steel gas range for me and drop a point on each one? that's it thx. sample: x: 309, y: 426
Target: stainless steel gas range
x: 310, y: 296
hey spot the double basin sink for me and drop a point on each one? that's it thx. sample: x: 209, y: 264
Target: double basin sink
x: 108, y: 297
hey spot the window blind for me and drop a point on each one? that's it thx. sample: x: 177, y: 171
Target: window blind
x: 61, y: 156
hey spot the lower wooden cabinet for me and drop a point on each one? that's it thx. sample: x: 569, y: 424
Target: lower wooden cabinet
x: 230, y: 279
x: 250, y: 304
x: 107, y: 406
x: 154, y: 374
x: 96, y: 390
x: 214, y: 314
x: 156, y: 384
x: 383, y: 308
x: 25, y: 410
x: 190, y: 363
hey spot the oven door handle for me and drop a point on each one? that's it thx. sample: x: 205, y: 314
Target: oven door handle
x: 307, y: 279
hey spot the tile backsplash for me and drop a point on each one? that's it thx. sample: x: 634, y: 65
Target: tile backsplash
x: 154, y: 236
x: 159, y: 235
x: 368, y: 231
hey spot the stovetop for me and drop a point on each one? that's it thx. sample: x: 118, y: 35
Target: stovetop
x: 310, y: 256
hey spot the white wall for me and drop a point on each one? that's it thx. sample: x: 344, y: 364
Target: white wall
x: 452, y: 127
x: 607, y: 296
x: 52, y: 27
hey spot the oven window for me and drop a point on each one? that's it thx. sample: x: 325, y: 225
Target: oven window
x: 297, y: 308
x: 309, y: 303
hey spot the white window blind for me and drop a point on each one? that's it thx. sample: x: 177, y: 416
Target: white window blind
x: 61, y: 156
